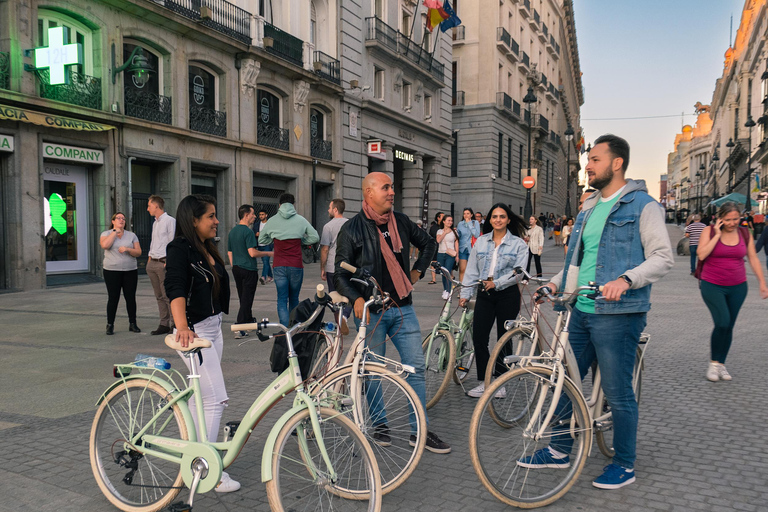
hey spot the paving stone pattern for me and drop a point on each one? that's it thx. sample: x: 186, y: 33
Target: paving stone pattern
x: 701, y: 445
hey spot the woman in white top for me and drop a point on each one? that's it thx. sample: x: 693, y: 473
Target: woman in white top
x: 121, y: 248
x: 567, y: 233
x: 535, y: 238
x: 447, y: 250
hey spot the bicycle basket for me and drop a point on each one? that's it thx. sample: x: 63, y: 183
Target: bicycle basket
x: 304, y: 342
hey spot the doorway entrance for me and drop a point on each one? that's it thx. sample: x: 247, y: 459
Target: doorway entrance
x: 65, y: 218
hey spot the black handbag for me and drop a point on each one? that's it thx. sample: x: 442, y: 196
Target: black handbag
x: 304, y: 342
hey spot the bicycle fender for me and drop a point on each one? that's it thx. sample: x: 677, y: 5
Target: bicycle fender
x: 170, y: 388
x: 269, y: 445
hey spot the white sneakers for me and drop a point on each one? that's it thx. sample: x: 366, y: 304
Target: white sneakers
x: 717, y: 371
x: 478, y: 391
x: 227, y: 484
x: 446, y: 294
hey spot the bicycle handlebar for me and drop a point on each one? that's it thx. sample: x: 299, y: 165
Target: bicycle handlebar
x: 321, y: 298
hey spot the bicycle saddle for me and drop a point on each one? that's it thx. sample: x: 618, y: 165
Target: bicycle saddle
x: 338, y: 298
x: 171, y: 342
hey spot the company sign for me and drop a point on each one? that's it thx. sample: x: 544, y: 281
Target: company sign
x: 6, y: 143
x: 73, y: 154
x: 29, y: 116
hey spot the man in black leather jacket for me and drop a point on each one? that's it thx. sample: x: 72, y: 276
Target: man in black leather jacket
x: 379, y: 240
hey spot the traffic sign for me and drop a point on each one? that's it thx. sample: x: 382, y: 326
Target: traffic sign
x: 529, y: 182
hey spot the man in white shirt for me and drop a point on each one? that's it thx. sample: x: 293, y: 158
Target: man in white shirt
x: 266, y: 269
x: 328, y: 250
x: 163, y: 231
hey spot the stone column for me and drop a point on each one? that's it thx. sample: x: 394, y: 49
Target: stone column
x: 413, y: 186
x: 388, y: 165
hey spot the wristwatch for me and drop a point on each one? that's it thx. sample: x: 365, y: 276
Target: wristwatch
x: 626, y: 279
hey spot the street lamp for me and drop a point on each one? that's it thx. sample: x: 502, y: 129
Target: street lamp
x: 715, y: 162
x: 730, y: 146
x: 529, y: 99
x: 699, y: 175
x: 568, y: 137
x: 749, y: 124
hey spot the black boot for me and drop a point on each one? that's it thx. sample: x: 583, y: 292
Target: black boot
x: 110, y: 329
x: 133, y: 327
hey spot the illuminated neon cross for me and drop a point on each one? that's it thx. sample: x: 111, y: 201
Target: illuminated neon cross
x: 55, y: 207
x: 58, y: 55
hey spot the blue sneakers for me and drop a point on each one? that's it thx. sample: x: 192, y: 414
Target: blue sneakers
x: 614, y: 477
x: 544, y: 459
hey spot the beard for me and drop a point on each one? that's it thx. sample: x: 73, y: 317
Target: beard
x: 600, y: 182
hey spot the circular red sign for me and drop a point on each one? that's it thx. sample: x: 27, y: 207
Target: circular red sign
x: 529, y: 181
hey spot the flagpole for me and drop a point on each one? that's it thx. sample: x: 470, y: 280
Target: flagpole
x: 413, y: 26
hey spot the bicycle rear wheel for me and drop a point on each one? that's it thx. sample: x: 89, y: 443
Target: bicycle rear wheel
x: 132, y: 481
x: 495, y: 450
x: 465, y: 358
x: 516, y: 341
x: 300, y: 478
x: 386, y: 400
x: 440, y: 362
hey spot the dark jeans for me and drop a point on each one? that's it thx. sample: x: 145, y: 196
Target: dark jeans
x: 266, y: 270
x: 448, y: 261
x: 537, y: 259
x: 724, y: 303
x: 288, y: 282
x: 693, y: 257
x: 246, y: 282
x: 492, y: 306
x: 125, y: 280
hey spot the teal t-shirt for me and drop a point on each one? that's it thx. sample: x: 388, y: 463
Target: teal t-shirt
x: 590, y: 238
x: 241, y: 238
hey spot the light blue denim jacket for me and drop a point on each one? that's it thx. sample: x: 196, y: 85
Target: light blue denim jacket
x: 513, y: 252
x: 466, y: 232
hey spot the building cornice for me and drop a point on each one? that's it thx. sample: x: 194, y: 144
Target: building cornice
x: 573, y: 48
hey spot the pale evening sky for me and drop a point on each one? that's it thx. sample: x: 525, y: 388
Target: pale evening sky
x: 650, y: 58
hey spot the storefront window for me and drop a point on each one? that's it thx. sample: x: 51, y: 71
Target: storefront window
x: 65, y: 217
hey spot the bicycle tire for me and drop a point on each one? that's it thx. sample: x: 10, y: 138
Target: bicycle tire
x: 463, y: 359
x: 292, y: 487
x: 397, y: 461
x: 321, y: 359
x: 308, y: 254
x: 604, y: 438
x: 521, y: 341
x: 137, y: 398
x: 495, y: 450
x: 440, y: 364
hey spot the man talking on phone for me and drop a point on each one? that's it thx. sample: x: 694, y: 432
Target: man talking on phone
x: 619, y: 241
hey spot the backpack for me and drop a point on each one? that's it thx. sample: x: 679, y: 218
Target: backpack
x: 304, y: 342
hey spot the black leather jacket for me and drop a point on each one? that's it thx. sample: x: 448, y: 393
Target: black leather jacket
x: 188, y: 276
x: 358, y: 244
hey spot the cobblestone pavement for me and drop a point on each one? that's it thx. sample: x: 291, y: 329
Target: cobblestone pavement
x: 701, y: 445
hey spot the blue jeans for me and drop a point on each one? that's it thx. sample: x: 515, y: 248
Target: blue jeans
x: 448, y: 262
x: 266, y: 269
x: 288, y: 282
x: 693, y: 257
x: 406, y: 336
x: 613, y: 340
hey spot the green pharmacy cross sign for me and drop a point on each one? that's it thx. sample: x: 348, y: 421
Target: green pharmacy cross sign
x: 58, y: 55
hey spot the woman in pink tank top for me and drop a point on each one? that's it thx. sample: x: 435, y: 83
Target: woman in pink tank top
x: 722, y: 249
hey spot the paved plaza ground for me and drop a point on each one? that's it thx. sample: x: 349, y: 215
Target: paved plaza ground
x: 701, y: 446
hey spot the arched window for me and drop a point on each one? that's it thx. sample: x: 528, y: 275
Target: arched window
x: 204, y: 113
x: 268, y: 127
x: 319, y: 146
x: 312, y: 24
x: 143, y: 94
x: 78, y: 33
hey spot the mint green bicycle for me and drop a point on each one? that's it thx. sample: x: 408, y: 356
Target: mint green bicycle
x: 144, y: 447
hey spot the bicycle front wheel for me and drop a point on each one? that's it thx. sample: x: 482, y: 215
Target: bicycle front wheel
x: 517, y: 341
x: 465, y: 357
x: 395, y: 423
x: 300, y: 478
x: 495, y: 451
x: 440, y: 362
x: 131, y: 481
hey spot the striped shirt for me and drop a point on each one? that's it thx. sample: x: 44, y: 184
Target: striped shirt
x: 694, y: 229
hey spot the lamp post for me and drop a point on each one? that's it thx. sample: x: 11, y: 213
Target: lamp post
x: 699, y: 189
x: 677, y: 203
x: 715, y: 162
x: 568, y: 137
x: 529, y: 99
x: 749, y: 124
x: 730, y: 146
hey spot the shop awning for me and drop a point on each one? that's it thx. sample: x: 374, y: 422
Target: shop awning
x: 39, y: 118
x: 733, y: 197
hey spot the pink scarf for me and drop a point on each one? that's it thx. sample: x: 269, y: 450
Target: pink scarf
x: 399, y: 279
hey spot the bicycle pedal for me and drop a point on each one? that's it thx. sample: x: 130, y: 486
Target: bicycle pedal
x: 179, y: 506
x: 230, y: 428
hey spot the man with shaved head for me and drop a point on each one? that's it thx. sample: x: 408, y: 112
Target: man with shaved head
x: 379, y: 239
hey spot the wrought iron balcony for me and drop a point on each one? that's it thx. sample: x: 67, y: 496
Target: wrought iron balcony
x: 5, y: 71
x: 525, y: 8
x: 81, y: 90
x: 543, y: 82
x: 283, y: 44
x: 525, y: 60
x: 273, y: 137
x: 542, y: 123
x: 401, y: 45
x: 503, y: 100
x: 148, y: 105
x: 220, y: 15
x: 323, y: 149
x: 206, y: 120
x: 327, y: 67
x: 545, y: 30
x: 458, y: 98
x: 503, y: 39
x: 458, y: 33
x: 533, y: 21
x: 516, y: 108
x: 553, y: 93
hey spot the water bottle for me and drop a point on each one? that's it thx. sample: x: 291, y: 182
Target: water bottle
x: 152, y: 362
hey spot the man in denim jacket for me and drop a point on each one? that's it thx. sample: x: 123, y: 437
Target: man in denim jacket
x: 619, y: 241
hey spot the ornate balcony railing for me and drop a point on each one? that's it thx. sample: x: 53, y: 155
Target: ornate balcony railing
x: 516, y: 108
x: 5, y: 71
x: 319, y: 148
x: 543, y: 122
x: 148, y: 105
x: 273, y: 137
x: 536, y: 16
x: 81, y: 90
x: 545, y: 29
x: 327, y: 67
x: 399, y: 43
x: 544, y: 81
x: 503, y: 100
x: 382, y: 33
x: 526, y: 61
x: 514, y: 46
x: 206, y: 120
x: 458, y: 33
x: 502, y: 36
x: 284, y: 45
x: 220, y: 15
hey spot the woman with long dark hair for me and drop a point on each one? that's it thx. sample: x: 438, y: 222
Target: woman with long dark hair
x: 121, y: 248
x: 534, y: 237
x: 721, y: 250
x: 493, y: 258
x: 467, y: 229
x: 197, y: 285
x: 447, y: 250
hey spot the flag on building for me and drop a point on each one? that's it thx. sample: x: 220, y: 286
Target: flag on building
x: 580, y: 145
x: 452, y: 21
x: 436, y: 14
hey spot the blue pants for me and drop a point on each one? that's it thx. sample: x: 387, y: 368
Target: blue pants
x: 693, y: 257
x: 613, y: 340
x: 405, y: 334
x: 266, y: 269
x: 288, y: 282
x: 448, y: 262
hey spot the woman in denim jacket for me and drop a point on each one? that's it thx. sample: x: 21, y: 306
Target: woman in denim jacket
x: 493, y: 258
x: 467, y: 228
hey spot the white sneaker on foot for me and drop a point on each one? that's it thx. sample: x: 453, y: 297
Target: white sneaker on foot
x: 477, y: 391
x: 227, y: 484
x: 724, y: 375
x: 713, y: 372
x: 445, y: 295
x: 501, y: 393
